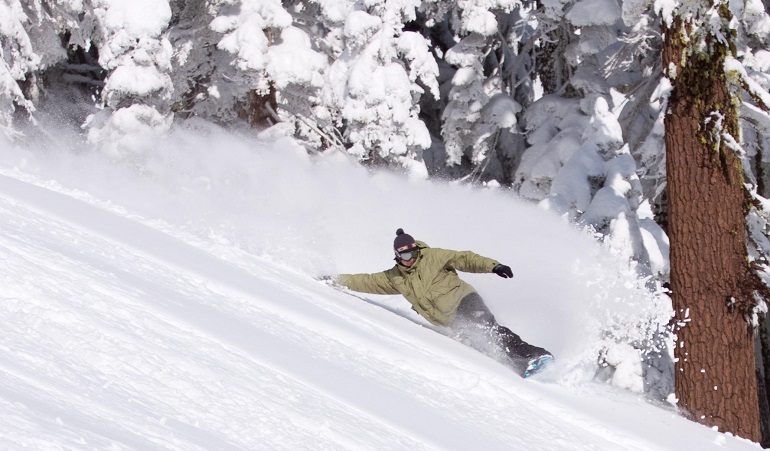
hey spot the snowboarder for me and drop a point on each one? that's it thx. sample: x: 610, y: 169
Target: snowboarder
x: 427, y: 278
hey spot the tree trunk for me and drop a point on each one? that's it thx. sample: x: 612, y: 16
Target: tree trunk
x: 260, y: 108
x: 762, y: 356
x: 552, y: 67
x: 762, y: 342
x: 711, y: 281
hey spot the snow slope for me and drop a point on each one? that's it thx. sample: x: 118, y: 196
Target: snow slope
x: 149, y: 312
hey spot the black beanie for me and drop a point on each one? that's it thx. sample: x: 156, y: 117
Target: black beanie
x: 402, y: 239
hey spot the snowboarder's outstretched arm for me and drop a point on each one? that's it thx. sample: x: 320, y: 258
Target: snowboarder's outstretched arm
x: 468, y: 261
x: 377, y: 283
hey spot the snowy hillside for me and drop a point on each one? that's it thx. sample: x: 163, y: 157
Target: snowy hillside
x: 169, y: 304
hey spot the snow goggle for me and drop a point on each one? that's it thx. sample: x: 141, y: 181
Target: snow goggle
x: 407, y: 254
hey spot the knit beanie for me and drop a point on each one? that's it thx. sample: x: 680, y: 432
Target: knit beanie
x: 403, y: 240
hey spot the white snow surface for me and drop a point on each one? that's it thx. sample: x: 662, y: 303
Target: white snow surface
x: 169, y: 304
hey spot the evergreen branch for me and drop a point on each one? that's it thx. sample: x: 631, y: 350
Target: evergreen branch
x: 758, y: 94
x: 334, y: 140
x: 758, y: 97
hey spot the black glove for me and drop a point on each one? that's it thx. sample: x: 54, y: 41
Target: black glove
x: 503, y: 271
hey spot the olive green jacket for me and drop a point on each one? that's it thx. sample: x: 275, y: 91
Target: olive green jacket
x: 431, y: 284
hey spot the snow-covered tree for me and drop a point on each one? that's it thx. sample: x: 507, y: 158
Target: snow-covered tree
x: 373, y: 87
x: 30, y: 43
x: 485, y: 50
x: 251, y: 61
x: 248, y: 29
x: 136, y: 98
x: 18, y: 59
x: 596, y: 123
x: 477, y: 107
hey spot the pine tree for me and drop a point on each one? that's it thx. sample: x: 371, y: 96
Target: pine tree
x: 374, y: 84
x: 30, y: 44
x: 713, y: 289
x: 248, y: 30
x: 751, y: 40
x: 18, y: 60
x: 136, y: 98
x: 578, y: 162
x: 486, y: 58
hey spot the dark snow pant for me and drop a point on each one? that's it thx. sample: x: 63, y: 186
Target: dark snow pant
x: 474, y: 318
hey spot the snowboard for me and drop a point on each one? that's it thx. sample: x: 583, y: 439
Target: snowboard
x: 537, y: 365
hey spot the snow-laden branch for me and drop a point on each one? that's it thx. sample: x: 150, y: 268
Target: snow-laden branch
x: 736, y: 69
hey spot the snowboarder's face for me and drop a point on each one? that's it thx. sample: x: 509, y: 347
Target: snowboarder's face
x: 407, y: 255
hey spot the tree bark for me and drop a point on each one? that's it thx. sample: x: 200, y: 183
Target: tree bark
x: 711, y: 281
x: 552, y: 67
x: 259, y: 109
x: 762, y: 357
